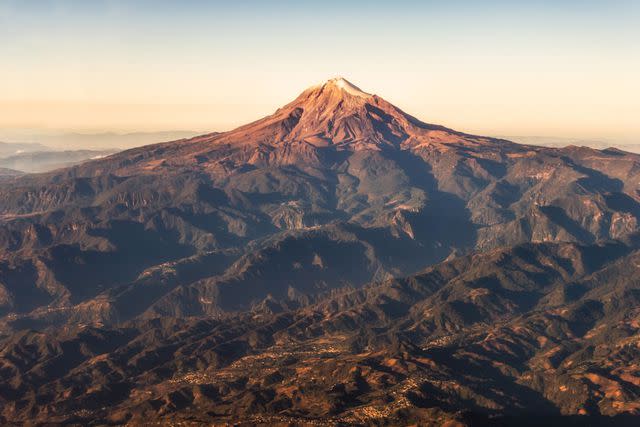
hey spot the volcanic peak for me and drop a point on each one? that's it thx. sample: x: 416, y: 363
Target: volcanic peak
x: 345, y: 85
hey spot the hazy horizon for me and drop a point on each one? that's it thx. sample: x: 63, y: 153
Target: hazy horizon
x: 558, y: 69
x: 69, y: 140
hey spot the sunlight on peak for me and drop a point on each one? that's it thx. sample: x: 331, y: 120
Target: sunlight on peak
x: 347, y: 86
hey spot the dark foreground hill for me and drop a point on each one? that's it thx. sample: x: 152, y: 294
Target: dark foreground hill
x: 535, y: 330
x: 277, y: 272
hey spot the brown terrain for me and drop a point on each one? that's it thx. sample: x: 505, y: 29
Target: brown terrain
x: 339, y: 262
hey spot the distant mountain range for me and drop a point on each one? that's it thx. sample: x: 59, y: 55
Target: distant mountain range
x: 339, y: 262
x: 93, y: 141
x: 58, y: 150
x: 44, y: 161
x: 12, y: 149
x: 556, y: 142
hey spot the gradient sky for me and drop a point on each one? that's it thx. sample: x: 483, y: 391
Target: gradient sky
x: 557, y: 68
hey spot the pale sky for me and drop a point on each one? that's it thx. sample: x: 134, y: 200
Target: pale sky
x: 558, y: 68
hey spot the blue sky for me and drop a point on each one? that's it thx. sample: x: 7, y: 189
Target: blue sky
x: 563, y: 68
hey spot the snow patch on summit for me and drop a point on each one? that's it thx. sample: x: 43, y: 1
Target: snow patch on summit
x: 348, y: 87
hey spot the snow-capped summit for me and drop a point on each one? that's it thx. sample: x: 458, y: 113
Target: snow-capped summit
x: 347, y: 86
x: 333, y: 113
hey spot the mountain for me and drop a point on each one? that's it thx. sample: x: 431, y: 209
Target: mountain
x: 44, y: 161
x: 335, y: 175
x: 163, y: 274
x: 10, y: 149
x: 59, y: 140
x: 559, y: 142
x: 33, y: 158
x: 9, y: 174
